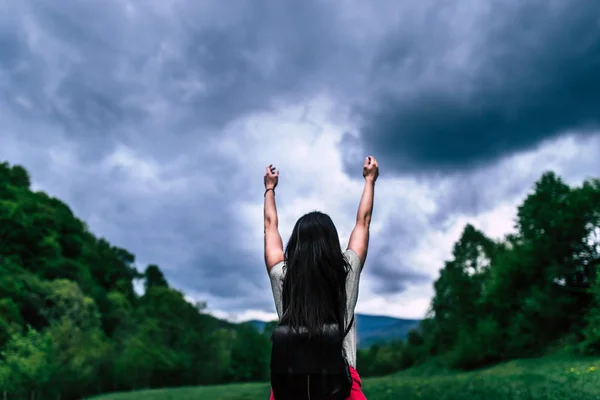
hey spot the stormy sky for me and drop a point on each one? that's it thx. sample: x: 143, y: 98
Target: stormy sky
x: 154, y: 121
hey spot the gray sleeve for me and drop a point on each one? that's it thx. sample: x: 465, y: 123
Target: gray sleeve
x: 352, y: 281
x: 276, y: 277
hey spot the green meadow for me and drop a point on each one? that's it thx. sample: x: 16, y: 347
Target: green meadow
x: 543, y: 378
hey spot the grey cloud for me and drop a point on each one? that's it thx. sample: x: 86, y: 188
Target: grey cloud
x: 477, y: 191
x: 529, y: 74
x: 389, y: 281
x: 386, y: 261
x: 96, y: 70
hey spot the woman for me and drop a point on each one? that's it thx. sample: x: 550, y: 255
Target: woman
x: 313, y: 282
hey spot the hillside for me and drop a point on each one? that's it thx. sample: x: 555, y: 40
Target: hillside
x: 370, y: 328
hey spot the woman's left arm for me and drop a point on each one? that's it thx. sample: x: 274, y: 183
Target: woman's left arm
x: 273, y: 243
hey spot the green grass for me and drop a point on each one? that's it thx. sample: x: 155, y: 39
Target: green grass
x: 550, y: 378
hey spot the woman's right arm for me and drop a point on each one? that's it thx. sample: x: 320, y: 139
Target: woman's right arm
x: 359, y: 239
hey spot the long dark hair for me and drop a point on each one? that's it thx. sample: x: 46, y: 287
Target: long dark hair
x: 314, y: 287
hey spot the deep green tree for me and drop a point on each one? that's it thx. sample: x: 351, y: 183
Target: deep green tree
x: 153, y: 277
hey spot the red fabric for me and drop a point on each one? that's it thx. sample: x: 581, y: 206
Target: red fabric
x: 356, y: 392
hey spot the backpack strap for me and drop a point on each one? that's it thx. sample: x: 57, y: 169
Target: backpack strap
x: 349, y: 326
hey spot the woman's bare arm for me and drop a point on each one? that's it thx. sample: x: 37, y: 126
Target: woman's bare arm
x: 273, y: 243
x: 359, y: 239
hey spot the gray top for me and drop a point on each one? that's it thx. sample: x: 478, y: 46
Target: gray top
x: 349, y: 346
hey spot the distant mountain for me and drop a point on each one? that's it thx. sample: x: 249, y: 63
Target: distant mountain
x: 375, y: 328
x: 370, y: 328
x: 259, y: 325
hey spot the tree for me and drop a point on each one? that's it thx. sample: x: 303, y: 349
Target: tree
x: 555, y: 223
x: 154, y: 277
x: 27, y: 364
x: 10, y: 319
x: 456, y: 304
x: 249, y: 355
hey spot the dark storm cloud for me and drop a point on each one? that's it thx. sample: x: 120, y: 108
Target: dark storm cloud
x: 92, y: 67
x: 531, y: 73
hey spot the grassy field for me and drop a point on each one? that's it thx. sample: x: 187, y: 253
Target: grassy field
x: 543, y: 379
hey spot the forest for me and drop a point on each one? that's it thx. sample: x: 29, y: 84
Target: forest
x: 72, y: 325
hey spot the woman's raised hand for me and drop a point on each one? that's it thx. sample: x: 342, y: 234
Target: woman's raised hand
x: 371, y: 168
x: 271, y: 177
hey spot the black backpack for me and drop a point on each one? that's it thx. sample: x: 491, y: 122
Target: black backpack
x: 309, y: 367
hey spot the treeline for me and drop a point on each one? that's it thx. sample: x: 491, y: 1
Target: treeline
x: 535, y: 291
x: 71, y: 324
